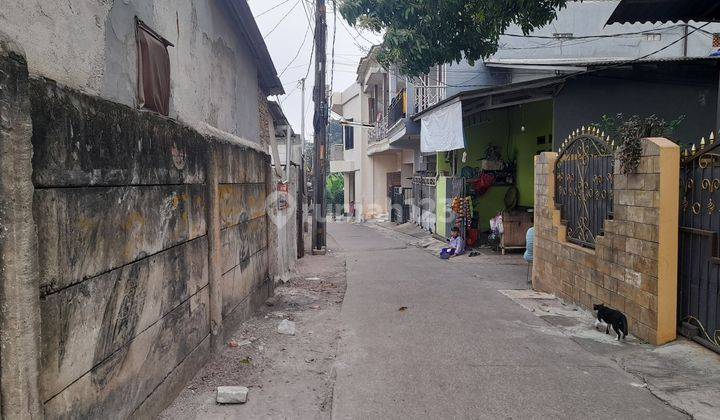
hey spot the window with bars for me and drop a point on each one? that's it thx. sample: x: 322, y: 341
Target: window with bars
x: 349, y: 136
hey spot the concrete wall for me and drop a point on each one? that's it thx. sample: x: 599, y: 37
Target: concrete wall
x: 680, y: 90
x: 462, y: 77
x: 633, y: 267
x: 354, y: 105
x: 376, y: 201
x: 90, y: 45
x: 19, y: 277
x: 285, y: 221
x: 151, y: 239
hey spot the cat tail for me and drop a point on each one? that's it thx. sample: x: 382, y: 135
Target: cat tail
x: 624, y: 326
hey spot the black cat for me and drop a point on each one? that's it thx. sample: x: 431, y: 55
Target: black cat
x: 611, y: 317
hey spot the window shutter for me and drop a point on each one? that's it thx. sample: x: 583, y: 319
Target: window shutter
x: 153, y: 69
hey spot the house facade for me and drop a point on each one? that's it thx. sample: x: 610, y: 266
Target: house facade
x: 537, y: 101
x: 372, y: 168
x: 388, y: 110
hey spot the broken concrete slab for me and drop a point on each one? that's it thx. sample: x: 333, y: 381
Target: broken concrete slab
x: 231, y: 394
x: 286, y: 327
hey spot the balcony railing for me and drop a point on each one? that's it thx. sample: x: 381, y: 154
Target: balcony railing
x: 379, y: 132
x: 394, y: 113
x: 427, y: 96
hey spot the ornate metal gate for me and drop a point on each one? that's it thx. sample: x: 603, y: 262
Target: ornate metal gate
x: 698, y: 258
x: 584, y: 184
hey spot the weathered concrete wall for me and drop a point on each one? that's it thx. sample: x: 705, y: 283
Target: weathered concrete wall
x: 285, y: 221
x: 19, y: 297
x: 633, y: 267
x: 90, y: 45
x: 152, y: 241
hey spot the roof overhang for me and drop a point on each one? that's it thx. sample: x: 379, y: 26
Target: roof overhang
x: 341, y: 166
x: 240, y: 12
x: 277, y: 114
x: 501, y: 96
x: 405, y: 133
x: 661, y: 11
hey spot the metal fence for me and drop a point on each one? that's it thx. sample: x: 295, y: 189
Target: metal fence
x: 699, y: 246
x: 584, y: 185
x: 401, y: 201
x: 455, y: 187
x: 423, y: 199
x: 396, y: 110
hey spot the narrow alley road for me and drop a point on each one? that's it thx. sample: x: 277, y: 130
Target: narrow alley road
x: 461, y: 349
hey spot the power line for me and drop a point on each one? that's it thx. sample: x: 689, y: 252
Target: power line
x: 297, y: 54
x: 282, y: 19
x: 307, y: 16
x: 332, y: 62
x: 608, y: 67
x: 617, y: 35
x: 272, y: 8
x: 360, y: 34
x: 352, y: 37
x: 312, y: 51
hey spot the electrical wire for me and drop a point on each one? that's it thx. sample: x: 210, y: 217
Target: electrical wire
x: 297, y: 54
x: 618, y: 64
x: 607, y: 67
x: 617, y: 35
x: 272, y: 8
x: 282, y: 19
x: 353, y: 38
x: 332, y: 62
x: 312, y: 53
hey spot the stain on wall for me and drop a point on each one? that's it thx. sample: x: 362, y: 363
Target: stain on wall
x: 121, y: 208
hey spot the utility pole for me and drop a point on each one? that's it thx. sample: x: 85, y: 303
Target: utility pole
x: 320, y: 129
x: 301, y: 221
x: 302, y: 115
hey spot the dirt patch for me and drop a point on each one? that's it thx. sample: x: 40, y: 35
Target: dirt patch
x: 288, y: 376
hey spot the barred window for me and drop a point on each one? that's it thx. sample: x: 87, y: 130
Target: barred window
x: 349, y: 135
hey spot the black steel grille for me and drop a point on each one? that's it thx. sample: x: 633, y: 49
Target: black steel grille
x: 698, y: 255
x: 584, y: 186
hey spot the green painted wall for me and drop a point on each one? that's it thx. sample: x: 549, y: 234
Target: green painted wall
x: 440, y: 204
x: 502, y: 128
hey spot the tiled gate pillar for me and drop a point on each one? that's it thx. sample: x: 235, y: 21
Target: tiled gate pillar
x: 633, y: 267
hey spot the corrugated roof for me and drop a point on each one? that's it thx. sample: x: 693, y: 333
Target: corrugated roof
x: 494, y: 90
x: 590, y: 64
x: 642, y: 11
x: 594, y: 61
x: 277, y: 114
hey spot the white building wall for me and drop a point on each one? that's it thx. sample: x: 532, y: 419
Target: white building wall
x: 90, y: 45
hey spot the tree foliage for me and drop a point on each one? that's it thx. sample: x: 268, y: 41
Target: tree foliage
x: 631, y: 130
x: 334, y: 189
x: 422, y: 33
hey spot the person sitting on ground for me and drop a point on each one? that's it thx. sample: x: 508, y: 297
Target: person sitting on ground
x: 457, y: 244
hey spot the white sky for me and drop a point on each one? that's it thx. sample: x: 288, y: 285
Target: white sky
x: 285, y: 41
